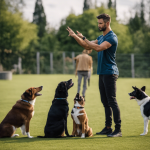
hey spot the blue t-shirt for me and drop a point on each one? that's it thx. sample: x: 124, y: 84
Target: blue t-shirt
x: 106, y: 58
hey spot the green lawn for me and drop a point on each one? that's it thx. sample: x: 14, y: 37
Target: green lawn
x: 132, y: 121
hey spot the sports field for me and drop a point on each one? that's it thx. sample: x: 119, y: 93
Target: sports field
x: 132, y: 121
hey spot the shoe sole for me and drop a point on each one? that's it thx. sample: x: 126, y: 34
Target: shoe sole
x: 103, y: 133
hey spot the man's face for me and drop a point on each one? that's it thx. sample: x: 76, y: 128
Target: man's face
x: 101, y: 25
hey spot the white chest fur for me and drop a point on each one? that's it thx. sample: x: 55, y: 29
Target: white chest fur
x: 76, y: 113
x: 141, y: 104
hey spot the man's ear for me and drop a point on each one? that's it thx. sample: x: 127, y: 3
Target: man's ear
x: 143, y: 88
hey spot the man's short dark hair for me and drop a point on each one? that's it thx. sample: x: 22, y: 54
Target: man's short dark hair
x: 105, y: 17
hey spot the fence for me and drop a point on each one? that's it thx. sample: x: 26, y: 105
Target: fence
x: 130, y: 65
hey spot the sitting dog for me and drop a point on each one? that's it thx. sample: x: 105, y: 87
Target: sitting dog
x: 20, y: 114
x: 57, y: 116
x: 143, y: 101
x: 80, y: 120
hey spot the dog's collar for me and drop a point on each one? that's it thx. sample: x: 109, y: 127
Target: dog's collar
x: 77, y: 107
x: 60, y: 98
x: 25, y: 101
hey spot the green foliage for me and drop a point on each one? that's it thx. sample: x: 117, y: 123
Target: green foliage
x: 16, y: 35
x: 49, y: 42
x: 135, y: 23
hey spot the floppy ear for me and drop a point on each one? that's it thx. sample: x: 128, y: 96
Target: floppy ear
x: 143, y: 88
x: 61, y: 87
x: 26, y: 95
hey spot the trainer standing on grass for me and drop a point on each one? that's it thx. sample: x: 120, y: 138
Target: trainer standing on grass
x: 106, y: 46
x: 83, y: 69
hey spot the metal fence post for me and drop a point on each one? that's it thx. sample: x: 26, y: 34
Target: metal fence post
x: 73, y: 55
x: 38, y: 62
x: 132, y: 66
x: 20, y: 65
x: 51, y: 62
x: 64, y: 63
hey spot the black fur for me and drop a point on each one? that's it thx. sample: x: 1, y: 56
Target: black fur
x: 139, y: 93
x: 57, y: 116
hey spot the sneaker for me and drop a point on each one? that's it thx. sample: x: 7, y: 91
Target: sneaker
x: 105, y: 131
x: 116, y: 133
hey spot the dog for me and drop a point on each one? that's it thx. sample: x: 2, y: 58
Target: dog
x: 56, y: 123
x: 80, y: 119
x: 143, y: 101
x: 20, y: 114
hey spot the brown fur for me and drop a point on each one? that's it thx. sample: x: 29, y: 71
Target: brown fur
x: 83, y: 127
x: 20, y: 114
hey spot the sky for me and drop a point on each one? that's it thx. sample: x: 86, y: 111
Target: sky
x: 56, y: 10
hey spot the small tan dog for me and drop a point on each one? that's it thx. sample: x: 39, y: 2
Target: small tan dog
x: 80, y: 120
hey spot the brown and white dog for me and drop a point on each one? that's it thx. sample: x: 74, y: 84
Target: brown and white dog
x: 80, y: 119
x: 20, y: 114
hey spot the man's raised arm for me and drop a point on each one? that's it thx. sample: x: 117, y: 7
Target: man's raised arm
x: 78, y: 38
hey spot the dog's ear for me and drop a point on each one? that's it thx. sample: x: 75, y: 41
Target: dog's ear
x: 143, y: 88
x: 77, y: 97
x: 26, y: 96
x: 61, y: 87
x: 134, y: 87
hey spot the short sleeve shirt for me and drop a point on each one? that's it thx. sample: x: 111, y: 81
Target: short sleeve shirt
x: 106, y: 58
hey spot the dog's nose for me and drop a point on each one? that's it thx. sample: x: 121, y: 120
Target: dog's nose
x: 41, y: 87
x: 129, y: 94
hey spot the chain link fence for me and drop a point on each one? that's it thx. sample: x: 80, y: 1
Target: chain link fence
x: 130, y: 65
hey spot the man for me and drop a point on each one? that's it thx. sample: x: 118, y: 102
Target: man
x: 83, y: 68
x: 106, y: 46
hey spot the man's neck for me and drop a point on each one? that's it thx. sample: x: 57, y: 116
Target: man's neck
x: 106, y: 31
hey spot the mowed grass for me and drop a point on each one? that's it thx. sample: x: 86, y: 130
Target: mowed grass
x: 132, y: 121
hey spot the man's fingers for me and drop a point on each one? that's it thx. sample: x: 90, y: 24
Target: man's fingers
x: 78, y: 32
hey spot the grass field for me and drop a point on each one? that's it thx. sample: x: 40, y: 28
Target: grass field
x: 132, y: 121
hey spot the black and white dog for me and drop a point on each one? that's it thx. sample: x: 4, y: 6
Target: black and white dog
x: 143, y: 101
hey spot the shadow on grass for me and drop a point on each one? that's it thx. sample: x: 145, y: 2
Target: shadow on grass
x: 26, y: 139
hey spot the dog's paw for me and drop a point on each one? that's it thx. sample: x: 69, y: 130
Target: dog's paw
x: 83, y: 135
x: 143, y: 134
x: 30, y: 137
x: 15, y: 135
x: 28, y: 134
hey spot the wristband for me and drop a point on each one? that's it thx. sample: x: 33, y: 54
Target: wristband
x: 84, y: 38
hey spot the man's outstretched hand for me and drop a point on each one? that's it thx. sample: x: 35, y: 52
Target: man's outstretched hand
x: 79, y: 34
x: 71, y: 32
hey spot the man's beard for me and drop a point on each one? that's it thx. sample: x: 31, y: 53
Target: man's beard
x: 103, y: 29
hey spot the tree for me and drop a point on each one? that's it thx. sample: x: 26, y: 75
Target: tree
x: 15, y: 36
x: 135, y: 23
x: 142, y: 13
x: 109, y: 4
x: 39, y: 18
x: 86, y: 5
x: 115, y: 7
